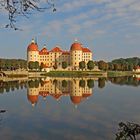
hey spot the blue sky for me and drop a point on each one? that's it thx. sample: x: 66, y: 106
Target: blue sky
x: 110, y: 28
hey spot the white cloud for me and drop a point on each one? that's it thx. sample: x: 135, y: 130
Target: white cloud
x: 74, y: 4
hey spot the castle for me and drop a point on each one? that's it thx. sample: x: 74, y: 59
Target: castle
x: 56, y: 89
x: 56, y: 56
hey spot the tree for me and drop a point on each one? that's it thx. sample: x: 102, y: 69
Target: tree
x: 103, y: 65
x: 36, y: 65
x: 64, y: 83
x: 82, y: 83
x: 41, y: 66
x: 16, y: 8
x: 31, y: 84
x: 116, y: 67
x: 90, y: 65
x: 31, y: 65
x: 82, y: 65
x: 101, y: 82
x: 128, y: 131
x: 55, y: 66
x: 1, y: 65
x: 64, y: 64
x: 111, y: 66
x: 130, y: 67
x: 90, y: 83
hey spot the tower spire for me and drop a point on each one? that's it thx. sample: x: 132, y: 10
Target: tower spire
x: 33, y: 41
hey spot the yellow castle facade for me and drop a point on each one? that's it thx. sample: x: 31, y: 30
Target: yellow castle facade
x: 56, y: 56
x: 58, y: 88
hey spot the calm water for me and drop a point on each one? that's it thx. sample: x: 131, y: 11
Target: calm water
x: 67, y: 109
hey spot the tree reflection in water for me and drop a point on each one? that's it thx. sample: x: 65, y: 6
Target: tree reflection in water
x: 1, y: 113
x: 78, y: 89
x: 125, y: 80
x: 128, y: 131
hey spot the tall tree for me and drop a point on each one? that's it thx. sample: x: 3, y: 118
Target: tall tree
x: 64, y: 64
x: 82, y: 83
x: 101, y: 82
x: 64, y: 83
x: 103, y: 65
x: 82, y: 65
x: 90, y: 65
x: 31, y: 65
x: 90, y: 83
x: 36, y: 65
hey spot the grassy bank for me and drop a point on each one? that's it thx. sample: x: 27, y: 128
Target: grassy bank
x: 17, y: 75
x: 74, y: 73
x: 119, y: 73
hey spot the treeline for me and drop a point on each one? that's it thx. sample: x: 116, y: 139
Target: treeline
x: 12, y: 86
x: 133, y: 81
x: 82, y: 65
x: 12, y: 64
x: 134, y: 60
x: 121, y: 64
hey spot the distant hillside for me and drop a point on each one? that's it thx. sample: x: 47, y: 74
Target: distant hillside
x: 133, y: 60
x: 12, y: 64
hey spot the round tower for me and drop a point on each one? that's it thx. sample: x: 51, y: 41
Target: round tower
x: 32, y: 52
x: 76, y: 92
x: 75, y: 54
x: 32, y: 95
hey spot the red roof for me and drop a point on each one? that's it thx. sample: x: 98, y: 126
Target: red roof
x: 56, y: 49
x: 43, y: 51
x: 76, y: 46
x: 43, y: 93
x: 32, y: 98
x: 86, y: 50
x: 32, y: 47
x: 85, y: 95
x: 56, y: 96
x: 76, y: 99
x: 66, y: 52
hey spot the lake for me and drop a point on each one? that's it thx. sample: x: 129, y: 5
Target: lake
x: 68, y: 108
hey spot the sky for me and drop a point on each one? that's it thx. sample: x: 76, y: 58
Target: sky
x: 110, y: 28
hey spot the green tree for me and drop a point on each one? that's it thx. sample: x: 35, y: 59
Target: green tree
x: 103, y: 65
x: 130, y: 67
x: 41, y: 66
x: 90, y: 83
x: 82, y: 65
x: 2, y: 64
x: 82, y: 83
x: 55, y: 66
x: 31, y: 65
x: 116, y: 67
x: 64, y: 83
x: 64, y: 64
x: 101, y: 82
x: 110, y: 66
x: 36, y: 83
x: 31, y: 84
x: 36, y: 65
x: 90, y: 65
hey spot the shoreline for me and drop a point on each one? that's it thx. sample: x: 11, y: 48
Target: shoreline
x: 20, y: 75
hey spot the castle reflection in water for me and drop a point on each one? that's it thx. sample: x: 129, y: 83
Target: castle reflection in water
x: 77, y: 89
